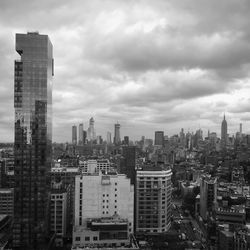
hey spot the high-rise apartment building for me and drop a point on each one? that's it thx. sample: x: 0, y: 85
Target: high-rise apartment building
x: 74, y: 134
x: 80, y: 142
x: 153, y: 199
x: 33, y: 138
x: 104, y: 210
x: 117, y: 137
x: 159, y: 138
x: 224, y: 133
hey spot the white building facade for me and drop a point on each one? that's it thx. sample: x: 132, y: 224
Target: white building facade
x: 104, y: 210
x: 153, y: 200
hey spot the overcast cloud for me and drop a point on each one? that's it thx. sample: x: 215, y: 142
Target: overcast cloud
x: 151, y: 65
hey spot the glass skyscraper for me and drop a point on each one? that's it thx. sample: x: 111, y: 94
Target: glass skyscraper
x: 33, y: 139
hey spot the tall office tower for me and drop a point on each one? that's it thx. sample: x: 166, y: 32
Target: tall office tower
x: 153, y: 199
x: 159, y: 138
x: 224, y: 133
x: 103, y: 210
x: 117, y: 137
x: 208, y: 195
x: 240, y: 128
x: 33, y: 139
x: 109, y: 141
x: 80, y: 142
x: 74, y: 134
x: 91, y: 136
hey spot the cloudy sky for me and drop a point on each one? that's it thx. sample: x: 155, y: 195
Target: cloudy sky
x: 150, y: 65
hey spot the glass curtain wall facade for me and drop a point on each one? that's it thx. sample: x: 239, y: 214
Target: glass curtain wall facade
x: 33, y: 139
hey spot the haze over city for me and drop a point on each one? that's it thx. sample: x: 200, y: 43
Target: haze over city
x: 150, y: 65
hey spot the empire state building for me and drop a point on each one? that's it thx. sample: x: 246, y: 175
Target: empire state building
x: 224, y: 133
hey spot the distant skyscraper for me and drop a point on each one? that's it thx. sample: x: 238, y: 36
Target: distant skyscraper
x: 91, y: 130
x: 224, y: 133
x: 84, y: 136
x: 109, y: 141
x: 33, y: 138
x: 126, y: 140
x: 159, y: 138
x: 80, y: 134
x: 117, y: 138
x: 74, y: 135
x: 182, y: 138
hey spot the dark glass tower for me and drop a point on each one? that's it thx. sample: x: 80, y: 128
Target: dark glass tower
x: 33, y: 138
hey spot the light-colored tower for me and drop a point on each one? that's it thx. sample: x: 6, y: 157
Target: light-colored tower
x: 153, y: 199
x: 80, y: 142
x: 224, y: 133
x: 74, y: 134
x: 117, y: 138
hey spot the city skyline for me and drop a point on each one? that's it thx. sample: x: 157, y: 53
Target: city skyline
x: 134, y: 63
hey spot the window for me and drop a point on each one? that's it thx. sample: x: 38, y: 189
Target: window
x: 115, y: 195
x: 87, y: 238
x: 115, y: 189
x: 115, y: 200
x: 95, y: 238
x: 77, y: 238
x: 116, y: 183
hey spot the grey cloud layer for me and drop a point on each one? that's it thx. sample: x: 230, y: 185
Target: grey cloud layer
x: 157, y: 64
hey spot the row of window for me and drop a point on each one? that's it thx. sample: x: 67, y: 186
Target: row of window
x: 86, y: 238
